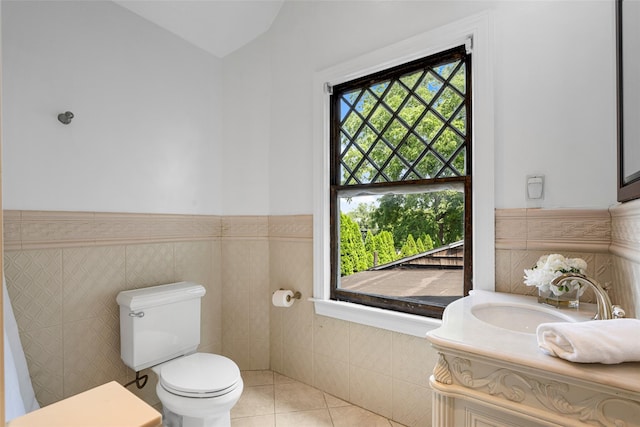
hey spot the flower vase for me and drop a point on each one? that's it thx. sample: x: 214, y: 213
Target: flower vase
x: 570, y: 299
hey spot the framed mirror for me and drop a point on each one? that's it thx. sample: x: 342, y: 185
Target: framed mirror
x: 628, y: 88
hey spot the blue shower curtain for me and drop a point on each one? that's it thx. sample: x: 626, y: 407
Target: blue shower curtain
x: 18, y: 391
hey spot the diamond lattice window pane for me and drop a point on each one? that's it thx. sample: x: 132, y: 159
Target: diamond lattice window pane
x: 412, y: 176
x: 445, y: 70
x: 350, y: 159
x: 369, y: 101
x: 448, y: 143
x: 448, y: 102
x: 429, y: 166
x: 345, y: 176
x: 365, y: 138
x: 460, y: 121
x: 459, y: 81
x: 395, y: 133
x: 396, y: 96
x: 410, y: 80
x: 380, y: 118
x: 396, y: 169
x: 351, y: 97
x: 344, y: 143
x: 365, y: 173
x: 352, y: 124
x: 380, y: 153
x: 446, y: 173
x: 378, y: 89
x: 412, y: 149
x: 406, y: 128
x: 429, y: 86
x: 429, y: 127
x: 460, y: 162
x: 412, y: 111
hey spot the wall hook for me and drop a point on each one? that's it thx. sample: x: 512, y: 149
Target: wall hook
x: 65, y: 118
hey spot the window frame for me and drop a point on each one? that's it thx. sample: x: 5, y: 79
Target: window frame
x: 476, y: 31
x: 459, y: 53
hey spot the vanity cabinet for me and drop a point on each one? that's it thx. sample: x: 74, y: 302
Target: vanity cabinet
x: 490, y: 376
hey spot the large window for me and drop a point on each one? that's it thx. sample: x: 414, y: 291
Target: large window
x: 400, y: 185
x: 475, y: 32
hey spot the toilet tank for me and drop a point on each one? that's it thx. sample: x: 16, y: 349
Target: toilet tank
x: 159, y: 323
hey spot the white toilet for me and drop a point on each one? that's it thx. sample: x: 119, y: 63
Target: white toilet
x: 160, y: 329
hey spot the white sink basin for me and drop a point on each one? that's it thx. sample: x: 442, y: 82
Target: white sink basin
x: 517, y: 317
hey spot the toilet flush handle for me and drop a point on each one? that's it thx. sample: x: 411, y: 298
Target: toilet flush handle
x: 138, y: 314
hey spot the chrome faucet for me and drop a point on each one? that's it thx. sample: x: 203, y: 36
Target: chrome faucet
x: 606, y: 310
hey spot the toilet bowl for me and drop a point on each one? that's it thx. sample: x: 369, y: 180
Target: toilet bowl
x: 198, y: 390
x: 160, y: 329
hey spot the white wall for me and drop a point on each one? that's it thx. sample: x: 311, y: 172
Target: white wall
x: 554, y: 91
x: 556, y: 102
x: 147, y: 107
x: 162, y: 126
x: 247, y: 133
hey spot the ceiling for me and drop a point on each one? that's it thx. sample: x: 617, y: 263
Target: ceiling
x: 217, y: 26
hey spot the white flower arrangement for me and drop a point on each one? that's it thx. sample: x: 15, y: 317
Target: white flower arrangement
x: 551, y: 266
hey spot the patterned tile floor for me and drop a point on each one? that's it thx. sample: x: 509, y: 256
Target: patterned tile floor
x: 273, y: 400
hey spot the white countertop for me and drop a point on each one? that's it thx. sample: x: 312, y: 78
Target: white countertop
x: 461, y: 331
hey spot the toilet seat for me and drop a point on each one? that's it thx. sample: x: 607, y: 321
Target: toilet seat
x: 200, y: 375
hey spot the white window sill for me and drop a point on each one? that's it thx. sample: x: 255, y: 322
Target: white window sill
x: 404, y: 323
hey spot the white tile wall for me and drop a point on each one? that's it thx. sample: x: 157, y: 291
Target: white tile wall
x: 63, y: 280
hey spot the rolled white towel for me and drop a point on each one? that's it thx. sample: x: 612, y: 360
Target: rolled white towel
x: 595, y: 341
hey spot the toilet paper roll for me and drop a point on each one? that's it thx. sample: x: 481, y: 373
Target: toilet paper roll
x: 282, y: 298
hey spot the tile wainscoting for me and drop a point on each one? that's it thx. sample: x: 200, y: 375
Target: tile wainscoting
x: 609, y: 240
x: 523, y: 235
x: 625, y: 251
x: 64, y: 270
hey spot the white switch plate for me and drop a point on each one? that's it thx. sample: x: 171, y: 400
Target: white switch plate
x: 535, y: 187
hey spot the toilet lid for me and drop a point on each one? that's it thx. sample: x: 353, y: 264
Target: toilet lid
x: 200, y: 375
